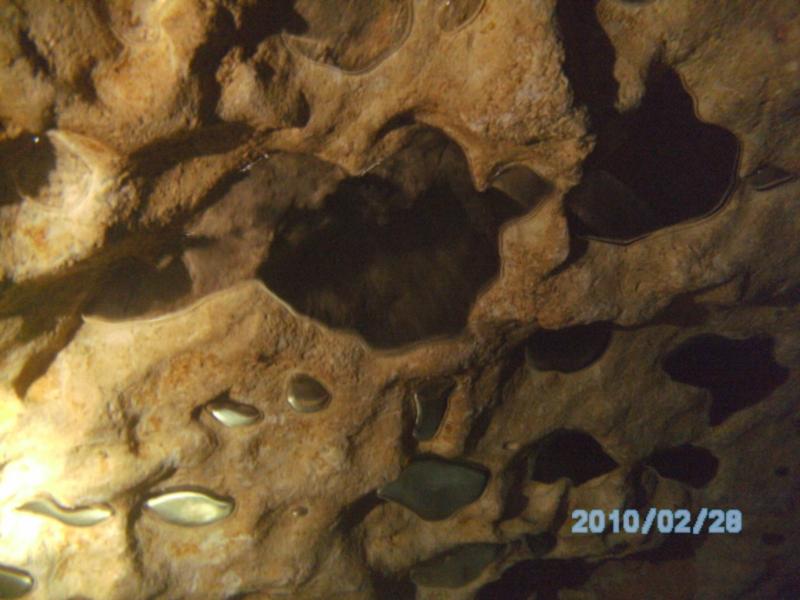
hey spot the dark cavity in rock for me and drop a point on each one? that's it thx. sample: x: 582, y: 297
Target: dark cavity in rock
x: 652, y: 168
x: 139, y: 286
x: 540, y: 544
x: 398, y: 255
x: 688, y: 464
x: 25, y: 166
x: 572, y: 454
x: 568, y: 350
x: 435, y: 488
x: 738, y: 373
x: 538, y: 579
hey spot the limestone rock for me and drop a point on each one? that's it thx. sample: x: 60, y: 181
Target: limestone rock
x: 263, y: 261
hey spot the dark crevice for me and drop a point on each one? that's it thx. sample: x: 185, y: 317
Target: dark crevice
x: 506, y: 378
x: 158, y: 157
x: 135, y: 286
x: 25, y: 166
x: 642, y: 482
x: 688, y: 464
x: 572, y: 454
x: 738, y: 373
x: 354, y: 514
x: 83, y: 85
x: 393, y: 587
x: 262, y: 20
x: 540, y: 544
x: 786, y: 298
x: 206, y: 61
x: 652, y: 168
x: 396, y: 269
x: 513, y: 481
x: 31, y: 51
x: 676, y: 546
x: 399, y: 121
x: 544, y: 578
x: 570, y: 349
x: 302, y: 112
x: 138, y: 495
x: 153, y: 160
x: 589, y: 58
x: 577, y: 250
x: 521, y: 185
x: 683, y: 311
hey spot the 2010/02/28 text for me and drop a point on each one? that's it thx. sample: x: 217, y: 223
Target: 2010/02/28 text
x: 665, y: 520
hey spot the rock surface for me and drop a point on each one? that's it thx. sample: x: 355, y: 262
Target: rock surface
x: 582, y: 215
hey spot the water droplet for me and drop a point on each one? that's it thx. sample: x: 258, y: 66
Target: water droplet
x: 457, y: 566
x: 190, y: 507
x: 82, y: 516
x: 14, y: 583
x: 435, y: 488
x: 767, y: 177
x: 455, y: 14
x: 305, y: 394
x: 430, y: 404
x: 231, y: 413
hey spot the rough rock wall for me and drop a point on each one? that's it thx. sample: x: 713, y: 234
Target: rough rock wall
x: 361, y: 299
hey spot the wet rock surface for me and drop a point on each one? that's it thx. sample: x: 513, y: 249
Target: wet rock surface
x: 312, y: 301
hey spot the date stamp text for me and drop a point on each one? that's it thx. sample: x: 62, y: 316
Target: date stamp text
x: 663, y: 520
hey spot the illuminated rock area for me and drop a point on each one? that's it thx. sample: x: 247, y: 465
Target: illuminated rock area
x: 361, y: 300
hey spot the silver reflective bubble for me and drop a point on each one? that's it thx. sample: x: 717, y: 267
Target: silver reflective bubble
x: 14, y: 583
x: 767, y: 177
x: 190, y: 507
x: 430, y: 405
x: 435, y: 488
x: 306, y: 394
x: 82, y: 516
x: 233, y: 414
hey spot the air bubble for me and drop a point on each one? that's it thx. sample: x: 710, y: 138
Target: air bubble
x: 190, y: 507
x: 231, y: 413
x: 306, y: 394
x: 83, y: 516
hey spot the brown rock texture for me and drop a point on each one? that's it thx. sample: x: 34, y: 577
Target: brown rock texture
x: 362, y: 299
